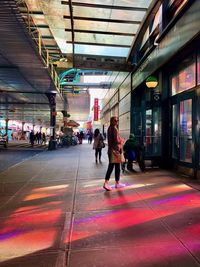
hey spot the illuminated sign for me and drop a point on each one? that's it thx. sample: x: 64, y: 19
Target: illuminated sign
x: 96, y: 109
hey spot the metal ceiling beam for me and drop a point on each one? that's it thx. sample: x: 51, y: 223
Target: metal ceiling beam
x: 104, y: 20
x: 101, y: 32
x: 41, y: 26
x: 51, y: 46
x: 72, y: 31
x: 23, y: 103
x: 129, y: 8
x: 99, y: 44
x: 32, y: 12
x: 18, y: 91
x: 102, y: 85
x: 47, y: 37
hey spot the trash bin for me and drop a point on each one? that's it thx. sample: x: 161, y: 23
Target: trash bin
x: 52, y: 144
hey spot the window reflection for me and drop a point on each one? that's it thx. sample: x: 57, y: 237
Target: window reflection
x: 186, y: 130
x: 153, y: 131
x: 175, y: 140
x: 198, y: 69
x: 184, y: 79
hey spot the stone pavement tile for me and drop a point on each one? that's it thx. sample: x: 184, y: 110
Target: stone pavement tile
x: 37, y: 202
x: 10, y: 188
x: 92, y: 196
x: 91, y: 174
x: 3, y: 200
x: 29, y: 238
x: 185, y: 225
x: 171, y: 199
x: 30, y: 233
x: 16, y: 176
x: 194, y: 247
x: 58, y: 184
x: 35, y: 194
x: 42, y: 259
x: 160, y: 255
x: 118, y: 228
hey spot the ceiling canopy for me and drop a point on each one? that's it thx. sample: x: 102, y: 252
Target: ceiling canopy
x: 89, y: 33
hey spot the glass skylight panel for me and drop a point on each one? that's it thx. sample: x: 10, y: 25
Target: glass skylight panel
x: 60, y: 26
x: 105, y: 13
x: 105, y: 26
x: 101, y: 50
x: 101, y: 38
x: 137, y: 3
x: 122, y: 27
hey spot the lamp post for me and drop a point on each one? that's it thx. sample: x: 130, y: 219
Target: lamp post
x: 151, y: 82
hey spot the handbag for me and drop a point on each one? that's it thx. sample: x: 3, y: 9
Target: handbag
x: 116, y: 157
x: 103, y: 145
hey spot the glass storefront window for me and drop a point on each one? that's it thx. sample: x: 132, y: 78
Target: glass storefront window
x: 179, y: 6
x: 183, y: 79
x: 174, y: 86
x: 157, y: 19
x: 198, y: 116
x: 175, y: 140
x: 148, y: 137
x: 145, y: 37
x: 157, y: 131
x: 198, y: 69
x: 153, y: 131
x: 186, y: 130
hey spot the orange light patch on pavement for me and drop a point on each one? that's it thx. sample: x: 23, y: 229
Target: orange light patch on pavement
x: 26, y: 243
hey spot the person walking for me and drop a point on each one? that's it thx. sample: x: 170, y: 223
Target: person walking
x: 81, y: 136
x: 98, y: 144
x: 90, y: 137
x: 32, y: 138
x: 43, y: 139
x: 114, y: 153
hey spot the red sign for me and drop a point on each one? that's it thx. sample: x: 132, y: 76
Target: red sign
x: 96, y: 109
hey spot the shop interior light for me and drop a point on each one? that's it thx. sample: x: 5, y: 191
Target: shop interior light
x: 151, y: 82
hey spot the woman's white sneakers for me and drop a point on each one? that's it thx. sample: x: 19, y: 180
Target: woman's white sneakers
x: 107, y: 187
x: 119, y: 185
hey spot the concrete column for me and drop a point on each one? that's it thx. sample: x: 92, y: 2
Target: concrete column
x: 23, y: 122
x: 53, y: 121
x: 7, y: 120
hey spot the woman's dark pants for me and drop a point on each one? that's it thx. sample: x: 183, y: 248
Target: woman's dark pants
x: 110, y: 169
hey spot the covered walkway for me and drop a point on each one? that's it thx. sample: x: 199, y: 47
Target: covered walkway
x: 55, y: 213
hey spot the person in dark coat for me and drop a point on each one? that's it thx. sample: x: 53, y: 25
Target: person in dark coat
x: 98, y: 144
x: 32, y: 138
x: 133, y: 150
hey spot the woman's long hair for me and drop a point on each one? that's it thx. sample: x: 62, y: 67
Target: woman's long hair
x: 96, y: 132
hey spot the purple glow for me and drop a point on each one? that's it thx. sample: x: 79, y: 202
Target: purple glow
x: 167, y: 200
x: 9, y: 235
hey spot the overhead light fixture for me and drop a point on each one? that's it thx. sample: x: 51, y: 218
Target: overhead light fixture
x: 151, y: 82
x: 63, y: 59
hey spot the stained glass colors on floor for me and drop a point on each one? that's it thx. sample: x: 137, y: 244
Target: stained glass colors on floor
x: 55, y: 213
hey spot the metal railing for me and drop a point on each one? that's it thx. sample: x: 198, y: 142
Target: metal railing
x: 37, y: 38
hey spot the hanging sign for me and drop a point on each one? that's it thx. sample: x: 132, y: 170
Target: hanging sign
x: 96, y: 109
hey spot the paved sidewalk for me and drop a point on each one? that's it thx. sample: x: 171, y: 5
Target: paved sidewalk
x: 55, y: 213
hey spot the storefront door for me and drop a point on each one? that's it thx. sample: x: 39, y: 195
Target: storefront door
x: 183, y: 132
x: 152, y: 138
